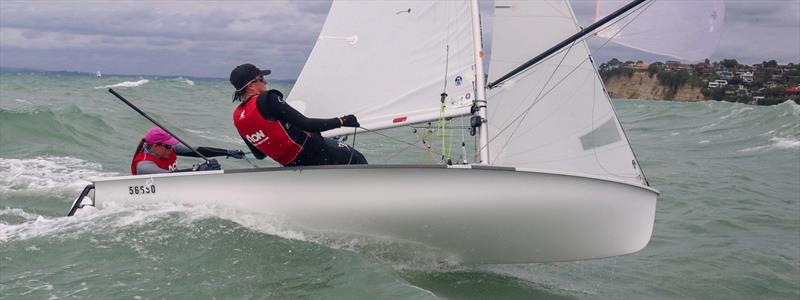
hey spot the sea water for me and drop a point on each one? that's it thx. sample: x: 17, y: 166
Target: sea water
x: 727, y: 223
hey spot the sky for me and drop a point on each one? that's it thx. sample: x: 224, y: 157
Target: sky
x: 209, y: 38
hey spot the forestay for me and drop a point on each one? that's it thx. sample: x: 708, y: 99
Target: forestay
x: 556, y: 115
x: 686, y: 30
x: 388, y: 63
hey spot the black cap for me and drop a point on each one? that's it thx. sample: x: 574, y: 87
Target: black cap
x: 244, y: 74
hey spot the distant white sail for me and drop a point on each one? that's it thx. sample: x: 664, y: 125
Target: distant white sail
x: 556, y: 115
x: 686, y: 30
x: 385, y: 62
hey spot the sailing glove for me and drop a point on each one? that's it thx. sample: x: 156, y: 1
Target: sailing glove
x: 349, y: 121
x: 237, y: 154
x: 210, y: 164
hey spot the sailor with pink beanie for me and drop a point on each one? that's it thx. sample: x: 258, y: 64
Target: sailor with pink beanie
x: 158, y: 150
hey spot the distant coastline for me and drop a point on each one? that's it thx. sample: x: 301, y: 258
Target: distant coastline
x: 767, y: 83
x: 93, y: 74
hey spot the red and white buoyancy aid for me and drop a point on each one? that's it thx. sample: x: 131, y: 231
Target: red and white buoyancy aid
x: 170, y: 163
x: 269, y: 136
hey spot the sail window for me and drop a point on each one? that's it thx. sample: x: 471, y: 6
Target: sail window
x: 601, y: 136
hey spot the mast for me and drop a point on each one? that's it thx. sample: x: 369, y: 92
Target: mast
x: 480, y: 84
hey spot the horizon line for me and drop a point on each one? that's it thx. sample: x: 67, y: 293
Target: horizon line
x: 29, y: 69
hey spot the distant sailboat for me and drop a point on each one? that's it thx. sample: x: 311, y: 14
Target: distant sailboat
x: 98, y: 74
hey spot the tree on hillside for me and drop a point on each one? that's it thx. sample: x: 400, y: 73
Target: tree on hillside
x: 673, y: 80
x: 729, y: 63
x: 654, y: 68
x: 770, y: 64
x: 613, y: 67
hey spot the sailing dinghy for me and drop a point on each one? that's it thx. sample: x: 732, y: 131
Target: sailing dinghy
x: 554, y: 177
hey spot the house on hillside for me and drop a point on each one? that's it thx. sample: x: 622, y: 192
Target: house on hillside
x: 771, y: 84
x: 725, y: 75
x: 747, y: 77
x: 676, y: 66
x: 702, y: 68
x: 743, y: 91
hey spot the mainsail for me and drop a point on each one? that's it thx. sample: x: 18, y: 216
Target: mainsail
x: 686, y: 30
x: 556, y: 115
x: 389, y: 62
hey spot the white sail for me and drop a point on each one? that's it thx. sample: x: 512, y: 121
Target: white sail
x: 555, y: 116
x: 388, y: 62
x: 686, y: 30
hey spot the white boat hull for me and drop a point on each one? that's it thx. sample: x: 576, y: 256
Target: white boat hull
x: 479, y: 214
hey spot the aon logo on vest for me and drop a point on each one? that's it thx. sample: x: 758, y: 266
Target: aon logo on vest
x: 257, y: 138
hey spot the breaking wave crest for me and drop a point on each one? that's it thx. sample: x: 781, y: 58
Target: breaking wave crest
x: 47, y: 174
x: 776, y: 143
x: 186, y: 81
x: 124, y: 84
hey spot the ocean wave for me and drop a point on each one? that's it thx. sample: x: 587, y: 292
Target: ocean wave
x: 733, y: 113
x: 785, y: 143
x: 17, y: 213
x: 778, y: 143
x: 23, y: 101
x: 187, y: 81
x: 216, y: 137
x: 124, y: 84
x: 42, y: 129
x: 47, y: 174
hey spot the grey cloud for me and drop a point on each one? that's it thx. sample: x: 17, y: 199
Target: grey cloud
x: 318, y: 8
x: 208, y: 38
x: 765, y: 14
x: 207, y: 20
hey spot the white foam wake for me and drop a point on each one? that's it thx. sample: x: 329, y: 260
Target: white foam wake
x: 124, y: 84
x: 47, y: 174
x: 113, y: 216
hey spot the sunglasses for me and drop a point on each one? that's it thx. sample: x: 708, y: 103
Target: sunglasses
x: 165, y: 146
x: 257, y: 79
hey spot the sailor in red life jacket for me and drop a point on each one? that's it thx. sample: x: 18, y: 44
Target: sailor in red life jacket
x: 271, y: 127
x: 158, y: 151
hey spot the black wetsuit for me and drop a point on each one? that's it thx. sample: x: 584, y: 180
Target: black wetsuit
x: 317, y: 150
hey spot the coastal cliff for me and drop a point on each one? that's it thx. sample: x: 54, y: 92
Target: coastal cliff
x: 767, y: 83
x: 640, y: 85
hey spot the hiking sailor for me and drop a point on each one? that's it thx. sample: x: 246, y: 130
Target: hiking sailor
x: 270, y: 127
x: 158, y: 150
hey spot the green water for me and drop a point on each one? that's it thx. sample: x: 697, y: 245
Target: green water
x: 727, y: 223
